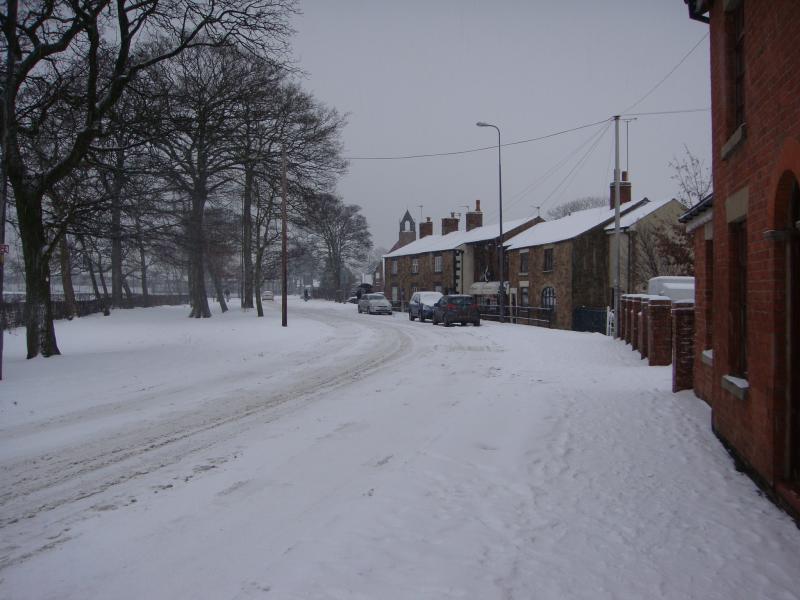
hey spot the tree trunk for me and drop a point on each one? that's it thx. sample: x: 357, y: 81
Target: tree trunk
x: 128, y: 293
x: 247, y: 237
x: 257, y: 280
x: 143, y: 270
x: 39, y: 330
x: 66, y: 278
x: 90, y: 267
x: 217, y: 281
x: 116, y: 229
x: 197, y: 271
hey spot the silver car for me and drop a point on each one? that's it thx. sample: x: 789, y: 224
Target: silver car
x: 374, y: 304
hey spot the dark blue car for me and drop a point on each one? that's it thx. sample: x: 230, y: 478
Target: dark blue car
x: 421, y: 305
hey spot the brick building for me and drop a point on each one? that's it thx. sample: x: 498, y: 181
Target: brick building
x: 450, y: 262
x: 748, y: 242
x: 563, y: 264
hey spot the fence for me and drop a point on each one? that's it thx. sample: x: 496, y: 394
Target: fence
x: 527, y: 315
x: 13, y: 312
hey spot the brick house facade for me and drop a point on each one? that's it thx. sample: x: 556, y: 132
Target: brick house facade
x: 450, y: 262
x: 567, y: 263
x: 748, y: 252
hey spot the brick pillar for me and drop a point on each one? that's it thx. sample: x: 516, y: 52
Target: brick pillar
x: 682, y: 346
x: 627, y: 317
x: 659, y: 332
x: 622, y: 320
x: 636, y: 306
x: 643, y: 327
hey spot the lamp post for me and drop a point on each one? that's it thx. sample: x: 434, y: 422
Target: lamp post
x: 501, y: 291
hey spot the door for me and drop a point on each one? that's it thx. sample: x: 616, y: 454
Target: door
x: 793, y: 276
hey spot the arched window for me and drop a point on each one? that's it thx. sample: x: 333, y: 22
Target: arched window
x: 548, y: 297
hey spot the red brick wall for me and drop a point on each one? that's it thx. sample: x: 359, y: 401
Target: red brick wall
x: 682, y: 346
x: 772, y: 115
x: 643, y: 323
x: 659, y: 332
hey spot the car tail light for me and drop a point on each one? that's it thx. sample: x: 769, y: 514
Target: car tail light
x: 451, y: 307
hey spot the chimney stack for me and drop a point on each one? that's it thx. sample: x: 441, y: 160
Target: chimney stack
x: 449, y: 224
x: 475, y: 217
x: 426, y: 228
x: 624, y: 191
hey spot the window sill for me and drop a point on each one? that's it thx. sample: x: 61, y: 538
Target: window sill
x: 547, y: 270
x: 736, y: 386
x: 707, y: 357
x: 733, y: 142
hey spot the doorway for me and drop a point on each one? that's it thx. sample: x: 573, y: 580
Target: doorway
x: 793, y: 331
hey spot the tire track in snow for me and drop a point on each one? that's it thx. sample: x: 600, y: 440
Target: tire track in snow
x: 71, y: 474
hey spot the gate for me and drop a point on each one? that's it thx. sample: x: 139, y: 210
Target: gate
x: 589, y: 319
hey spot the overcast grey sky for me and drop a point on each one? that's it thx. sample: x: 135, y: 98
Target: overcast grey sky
x: 415, y: 76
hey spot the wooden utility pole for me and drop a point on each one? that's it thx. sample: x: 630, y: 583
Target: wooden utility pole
x: 617, y: 261
x: 284, y: 265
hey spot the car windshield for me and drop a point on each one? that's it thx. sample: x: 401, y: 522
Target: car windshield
x: 376, y: 297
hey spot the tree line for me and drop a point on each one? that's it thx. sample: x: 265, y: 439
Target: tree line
x: 144, y: 136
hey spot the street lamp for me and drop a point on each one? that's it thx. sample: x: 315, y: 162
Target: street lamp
x: 501, y: 291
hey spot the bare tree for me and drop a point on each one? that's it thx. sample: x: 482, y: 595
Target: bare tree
x: 67, y: 63
x: 692, y: 177
x: 661, y: 250
x: 562, y: 210
x: 342, y: 231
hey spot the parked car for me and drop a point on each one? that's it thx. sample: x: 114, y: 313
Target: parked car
x: 374, y: 304
x: 456, y: 308
x: 421, y: 305
x: 268, y: 295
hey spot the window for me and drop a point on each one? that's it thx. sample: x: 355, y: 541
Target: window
x: 413, y: 289
x: 415, y: 265
x: 738, y: 342
x: 437, y: 263
x: 523, y: 262
x: 437, y: 287
x: 394, y: 266
x: 548, y: 260
x: 394, y: 293
x: 737, y: 63
x: 709, y: 293
x: 548, y: 297
x: 524, y: 298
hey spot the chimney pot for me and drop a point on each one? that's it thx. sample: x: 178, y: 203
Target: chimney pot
x: 477, y: 206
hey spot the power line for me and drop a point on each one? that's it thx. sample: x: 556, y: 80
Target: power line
x: 663, y: 79
x: 517, y: 197
x: 482, y: 148
x: 666, y: 112
x: 577, y: 165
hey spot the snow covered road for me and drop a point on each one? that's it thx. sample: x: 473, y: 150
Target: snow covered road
x: 352, y: 456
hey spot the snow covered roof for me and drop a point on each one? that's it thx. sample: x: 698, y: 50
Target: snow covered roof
x: 451, y: 241
x: 634, y: 216
x: 565, y: 228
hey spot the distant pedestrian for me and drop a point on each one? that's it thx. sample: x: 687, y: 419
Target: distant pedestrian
x: 305, y: 295
x: 227, y: 295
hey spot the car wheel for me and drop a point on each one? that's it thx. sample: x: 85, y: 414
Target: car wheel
x: 410, y: 316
